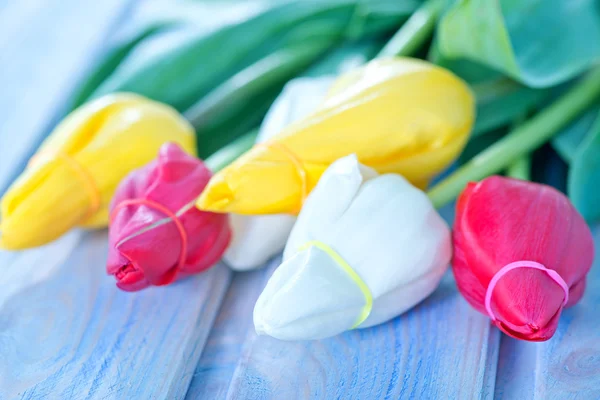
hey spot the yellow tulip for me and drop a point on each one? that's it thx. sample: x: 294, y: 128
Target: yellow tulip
x: 397, y: 115
x: 71, y: 179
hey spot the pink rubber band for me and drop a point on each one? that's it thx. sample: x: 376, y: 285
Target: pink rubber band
x: 522, y: 264
x: 167, y: 212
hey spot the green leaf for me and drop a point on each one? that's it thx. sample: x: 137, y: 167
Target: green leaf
x: 584, y: 175
x: 233, y: 150
x: 520, y: 169
x: 153, y: 20
x: 478, y: 144
x: 348, y: 56
x: 224, y: 63
x: 500, y: 100
x: 239, y: 104
x: 180, y: 57
x: 538, y: 43
x: 568, y: 141
x: 522, y: 140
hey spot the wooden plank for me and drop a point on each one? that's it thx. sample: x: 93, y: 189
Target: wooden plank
x: 437, y: 350
x: 45, y: 47
x: 440, y: 349
x: 565, y: 367
x: 226, y: 341
x: 68, y: 332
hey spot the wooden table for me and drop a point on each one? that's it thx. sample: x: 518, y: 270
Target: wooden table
x: 66, y: 332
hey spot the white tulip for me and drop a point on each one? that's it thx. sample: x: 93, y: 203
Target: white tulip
x: 358, y: 236
x: 258, y: 238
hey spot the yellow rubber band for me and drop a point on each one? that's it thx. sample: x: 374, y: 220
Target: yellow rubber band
x: 351, y: 273
x: 84, y: 176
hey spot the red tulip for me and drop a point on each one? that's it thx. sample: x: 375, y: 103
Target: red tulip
x: 156, y: 235
x: 501, y: 221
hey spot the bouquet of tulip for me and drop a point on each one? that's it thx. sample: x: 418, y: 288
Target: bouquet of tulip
x: 365, y: 247
x: 228, y: 193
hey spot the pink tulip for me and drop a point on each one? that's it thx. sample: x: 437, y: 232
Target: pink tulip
x: 525, y: 246
x: 156, y: 235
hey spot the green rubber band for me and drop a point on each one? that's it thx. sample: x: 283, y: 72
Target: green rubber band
x: 353, y: 275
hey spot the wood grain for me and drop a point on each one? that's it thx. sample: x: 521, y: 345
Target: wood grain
x: 418, y: 355
x: 568, y: 365
x: 68, y: 332
x: 440, y: 349
x: 227, y: 338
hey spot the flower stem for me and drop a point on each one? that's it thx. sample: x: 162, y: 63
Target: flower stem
x: 520, y: 169
x: 522, y: 140
x: 415, y: 31
x: 233, y: 150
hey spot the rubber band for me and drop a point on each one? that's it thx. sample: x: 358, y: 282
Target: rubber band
x: 167, y: 212
x: 522, y: 264
x: 84, y: 176
x: 351, y: 273
x: 298, y: 165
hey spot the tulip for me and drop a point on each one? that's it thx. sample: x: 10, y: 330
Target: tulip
x: 521, y: 254
x: 365, y: 248
x: 156, y: 236
x: 72, y: 177
x: 397, y: 114
x: 258, y: 238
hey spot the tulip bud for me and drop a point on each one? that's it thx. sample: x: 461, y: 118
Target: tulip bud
x: 365, y: 248
x: 74, y: 174
x: 397, y: 115
x: 521, y: 254
x: 258, y: 238
x: 156, y: 235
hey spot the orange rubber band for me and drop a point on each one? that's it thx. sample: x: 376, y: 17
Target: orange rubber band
x: 298, y: 165
x: 167, y: 212
x: 88, y: 181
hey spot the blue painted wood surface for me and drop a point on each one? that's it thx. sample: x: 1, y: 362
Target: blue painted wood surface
x: 228, y: 336
x: 66, y: 332
x: 440, y: 349
x: 45, y: 48
x: 568, y: 365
